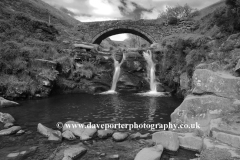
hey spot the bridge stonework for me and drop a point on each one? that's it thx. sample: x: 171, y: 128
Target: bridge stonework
x: 150, y: 30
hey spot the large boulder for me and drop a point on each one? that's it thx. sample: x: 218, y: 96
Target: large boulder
x: 196, y: 112
x: 6, y: 103
x: 68, y: 135
x: 169, y: 140
x: 120, y: 136
x: 105, y: 133
x: 220, y: 84
x: 80, y: 130
x: 10, y: 131
x: 6, y: 118
x: 51, y: 134
x: 153, y: 153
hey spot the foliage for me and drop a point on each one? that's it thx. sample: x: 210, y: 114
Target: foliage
x: 227, y: 19
x: 172, y: 20
x: 233, y: 3
x: 88, y: 70
x: 176, y: 12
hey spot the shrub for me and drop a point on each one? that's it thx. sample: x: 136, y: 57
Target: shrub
x: 176, y: 12
x: 172, y: 21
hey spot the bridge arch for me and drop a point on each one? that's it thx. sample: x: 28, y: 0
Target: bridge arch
x: 121, y: 29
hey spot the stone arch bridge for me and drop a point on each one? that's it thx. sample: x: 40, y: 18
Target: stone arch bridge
x: 150, y: 30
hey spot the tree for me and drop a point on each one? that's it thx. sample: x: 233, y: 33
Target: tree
x: 176, y: 12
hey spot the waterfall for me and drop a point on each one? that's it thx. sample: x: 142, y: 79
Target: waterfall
x: 151, y: 66
x: 117, y: 69
x: 151, y: 73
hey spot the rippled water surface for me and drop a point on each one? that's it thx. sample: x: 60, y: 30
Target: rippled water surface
x: 117, y: 108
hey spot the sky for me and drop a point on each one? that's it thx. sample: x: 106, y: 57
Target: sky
x: 102, y: 10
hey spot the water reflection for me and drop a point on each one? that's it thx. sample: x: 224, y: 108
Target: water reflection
x: 116, y: 104
x: 152, y: 105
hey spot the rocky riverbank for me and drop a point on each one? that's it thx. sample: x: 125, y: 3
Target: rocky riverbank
x: 86, y: 143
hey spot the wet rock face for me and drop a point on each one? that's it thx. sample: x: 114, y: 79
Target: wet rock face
x: 220, y: 84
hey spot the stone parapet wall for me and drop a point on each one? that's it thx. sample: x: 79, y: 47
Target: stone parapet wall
x: 151, y: 30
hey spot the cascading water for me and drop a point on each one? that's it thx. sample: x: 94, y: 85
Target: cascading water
x: 151, y: 66
x: 116, y: 75
x: 151, y: 72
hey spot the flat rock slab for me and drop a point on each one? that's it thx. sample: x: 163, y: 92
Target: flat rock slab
x: 84, y: 46
x: 169, y: 140
x: 153, y: 153
x: 21, y: 154
x: 139, y: 136
x: 7, y: 103
x: 218, y: 147
x: 74, y: 153
x: 201, y: 110
x: 230, y: 139
x: 221, y: 84
x: 190, y: 141
x: 10, y: 131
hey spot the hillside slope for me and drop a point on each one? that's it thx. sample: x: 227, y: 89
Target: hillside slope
x: 210, y: 9
x: 39, y: 10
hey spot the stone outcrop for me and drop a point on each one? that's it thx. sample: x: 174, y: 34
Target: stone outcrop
x: 215, y: 106
x: 220, y: 84
x: 169, y: 140
x: 216, y: 150
x: 201, y: 109
x: 6, y: 103
x: 227, y: 129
